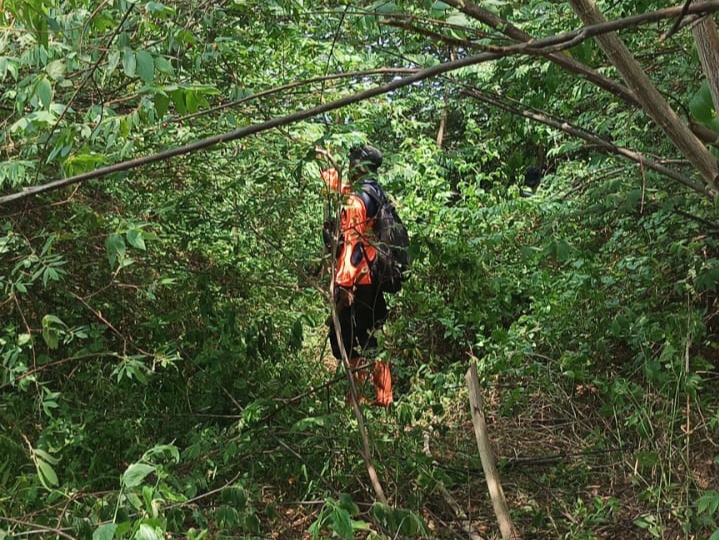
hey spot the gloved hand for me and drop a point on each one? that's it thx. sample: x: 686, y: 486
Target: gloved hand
x: 345, y: 298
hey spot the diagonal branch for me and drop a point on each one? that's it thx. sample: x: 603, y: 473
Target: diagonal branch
x: 652, y: 102
x: 573, y: 66
x: 290, y: 86
x: 535, y: 47
x: 578, y: 132
x: 508, y: 29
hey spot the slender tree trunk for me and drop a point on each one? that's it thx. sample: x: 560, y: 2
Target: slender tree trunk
x: 501, y: 510
x: 445, y: 109
x: 705, y: 36
x: 651, y: 100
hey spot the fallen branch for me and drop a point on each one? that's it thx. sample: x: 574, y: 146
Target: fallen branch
x: 501, y: 510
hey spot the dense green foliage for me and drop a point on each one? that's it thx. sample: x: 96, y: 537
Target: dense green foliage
x: 164, y: 371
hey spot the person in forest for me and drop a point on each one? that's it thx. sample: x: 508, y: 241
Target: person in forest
x: 360, y: 303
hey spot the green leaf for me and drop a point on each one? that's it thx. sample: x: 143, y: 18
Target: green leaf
x: 348, y: 504
x: 147, y: 532
x: 8, y: 65
x: 383, y: 6
x: 115, y: 248
x: 708, y: 503
x: 136, y: 473
x: 105, y: 532
x: 145, y: 66
x: 702, y: 108
x: 129, y: 62
x: 178, y: 98
x: 192, y: 102
x: 701, y: 105
x: 162, y: 103
x: 47, y: 474
x: 458, y: 19
x: 715, y: 535
x: 52, y: 319
x: 43, y: 91
x: 134, y: 238
x: 342, y: 523
x: 50, y: 332
x: 164, y: 66
x: 55, y: 69
x: 46, y: 456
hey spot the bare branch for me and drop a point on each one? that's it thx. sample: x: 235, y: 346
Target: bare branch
x: 653, y: 103
x: 669, y: 33
x: 535, y: 47
x: 576, y: 131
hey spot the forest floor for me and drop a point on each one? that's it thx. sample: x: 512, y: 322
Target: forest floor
x: 566, y: 472
x: 567, y: 462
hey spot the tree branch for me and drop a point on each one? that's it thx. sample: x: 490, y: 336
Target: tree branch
x: 535, y: 47
x: 653, y: 103
x: 576, y: 131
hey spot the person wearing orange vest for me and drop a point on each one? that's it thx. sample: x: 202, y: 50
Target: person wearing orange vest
x: 361, y: 306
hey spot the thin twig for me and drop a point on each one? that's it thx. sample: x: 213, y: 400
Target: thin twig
x: 37, y: 526
x: 103, y: 54
x: 669, y: 33
x: 332, y: 52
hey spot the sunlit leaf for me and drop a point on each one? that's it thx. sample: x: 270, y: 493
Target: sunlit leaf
x: 105, y: 532
x: 47, y: 473
x: 44, y: 92
x: 55, y: 69
x: 134, y: 238
x: 136, y: 473
x: 129, y: 62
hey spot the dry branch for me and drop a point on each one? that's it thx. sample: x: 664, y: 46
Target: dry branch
x: 461, y: 515
x: 707, y: 41
x: 651, y: 100
x: 580, y: 133
x: 535, y: 47
x: 501, y: 510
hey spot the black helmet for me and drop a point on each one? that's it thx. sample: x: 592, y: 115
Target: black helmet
x: 365, y: 156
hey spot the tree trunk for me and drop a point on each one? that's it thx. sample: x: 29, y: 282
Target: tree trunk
x: 705, y: 36
x: 649, y: 97
x: 501, y: 510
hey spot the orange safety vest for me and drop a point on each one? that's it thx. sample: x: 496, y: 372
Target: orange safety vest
x: 357, y: 249
x: 356, y: 229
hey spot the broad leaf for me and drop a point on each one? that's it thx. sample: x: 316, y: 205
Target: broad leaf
x: 129, y: 62
x: 136, y: 473
x: 105, y: 532
x: 145, y: 66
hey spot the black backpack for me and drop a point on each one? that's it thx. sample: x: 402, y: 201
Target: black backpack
x: 391, y: 265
